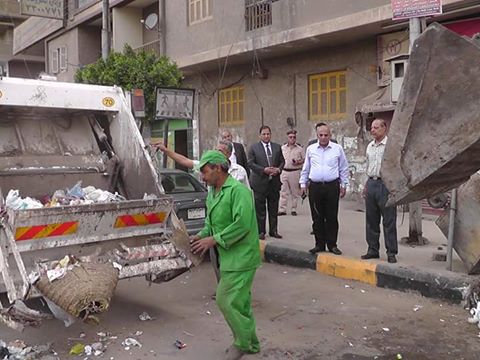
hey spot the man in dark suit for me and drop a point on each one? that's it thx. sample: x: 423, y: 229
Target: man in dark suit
x: 266, y: 161
x: 238, y: 154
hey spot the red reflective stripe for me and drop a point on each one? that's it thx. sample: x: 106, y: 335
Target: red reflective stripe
x: 62, y: 228
x: 34, y: 230
x: 153, y: 218
x: 128, y: 220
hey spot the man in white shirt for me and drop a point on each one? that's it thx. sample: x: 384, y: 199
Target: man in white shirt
x: 325, y: 172
x: 238, y: 155
x: 376, y: 195
x: 236, y: 170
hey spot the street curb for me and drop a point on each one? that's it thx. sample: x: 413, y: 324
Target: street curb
x: 445, y: 286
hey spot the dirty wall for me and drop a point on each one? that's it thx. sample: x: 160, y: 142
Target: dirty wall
x: 284, y: 94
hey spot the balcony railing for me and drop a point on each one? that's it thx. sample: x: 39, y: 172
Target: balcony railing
x: 153, y: 46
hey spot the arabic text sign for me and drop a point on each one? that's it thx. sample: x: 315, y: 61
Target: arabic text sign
x: 43, y: 8
x: 405, y: 9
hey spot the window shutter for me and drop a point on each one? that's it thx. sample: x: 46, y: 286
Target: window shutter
x: 63, y: 58
x: 54, y: 61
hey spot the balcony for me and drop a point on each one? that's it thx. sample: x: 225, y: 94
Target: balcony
x: 150, y: 46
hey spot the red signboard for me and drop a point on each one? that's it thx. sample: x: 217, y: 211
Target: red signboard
x: 406, y: 9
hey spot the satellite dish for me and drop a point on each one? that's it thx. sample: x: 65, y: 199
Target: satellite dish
x: 151, y: 21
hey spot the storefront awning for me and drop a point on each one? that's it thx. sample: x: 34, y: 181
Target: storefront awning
x: 379, y: 101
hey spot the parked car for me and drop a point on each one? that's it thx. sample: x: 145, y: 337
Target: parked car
x: 189, y: 196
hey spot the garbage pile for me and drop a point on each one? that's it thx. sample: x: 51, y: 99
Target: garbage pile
x: 75, y: 195
x: 472, y: 299
x: 18, y: 350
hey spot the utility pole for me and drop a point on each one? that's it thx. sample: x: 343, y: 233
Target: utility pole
x: 105, y: 29
x: 415, y: 231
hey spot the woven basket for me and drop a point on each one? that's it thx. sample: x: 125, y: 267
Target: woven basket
x: 85, y: 290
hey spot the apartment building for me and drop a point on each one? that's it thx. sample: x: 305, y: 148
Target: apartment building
x: 283, y: 63
x: 28, y: 64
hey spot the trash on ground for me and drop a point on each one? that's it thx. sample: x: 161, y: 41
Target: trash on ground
x: 187, y: 333
x: 179, y: 344
x: 417, y: 307
x: 128, y: 342
x: 77, y: 349
x: 144, y: 316
x: 386, y: 329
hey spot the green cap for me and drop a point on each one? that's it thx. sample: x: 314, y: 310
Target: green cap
x: 213, y: 157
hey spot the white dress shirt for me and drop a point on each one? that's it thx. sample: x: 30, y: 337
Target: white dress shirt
x: 233, y: 156
x: 324, y: 164
x: 239, y: 173
x: 374, y: 157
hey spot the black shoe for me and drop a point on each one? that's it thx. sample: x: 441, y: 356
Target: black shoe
x: 391, y: 259
x: 312, y: 232
x: 281, y: 213
x: 370, y: 256
x: 275, y: 235
x: 335, y: 250
x: 261, y: 236
x: 294, y: 213
x: 315, y: 250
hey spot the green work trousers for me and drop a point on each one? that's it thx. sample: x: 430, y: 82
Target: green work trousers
x: 234, y: 298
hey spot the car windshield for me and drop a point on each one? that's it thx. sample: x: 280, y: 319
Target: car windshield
x: 174, y: 183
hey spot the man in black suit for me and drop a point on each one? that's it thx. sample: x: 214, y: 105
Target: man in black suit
x: 266, y: 161
x: 238, y: 154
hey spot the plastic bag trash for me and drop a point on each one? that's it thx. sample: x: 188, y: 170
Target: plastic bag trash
x: 131, y: 342
x: 180, y: 344
x: 386, y: 329
x: 77, y: 349
x: 144, y: 316
x: 76, y: 191
x: 16, y: 202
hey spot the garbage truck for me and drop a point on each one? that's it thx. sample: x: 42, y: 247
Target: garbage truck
x: 56, y: 135
x: 434, y: 138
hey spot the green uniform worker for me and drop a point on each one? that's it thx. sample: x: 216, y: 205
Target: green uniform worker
x: 231, y: 226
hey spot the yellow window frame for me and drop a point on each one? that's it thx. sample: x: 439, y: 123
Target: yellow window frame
x: 231, y: 103
x: 327, y: 91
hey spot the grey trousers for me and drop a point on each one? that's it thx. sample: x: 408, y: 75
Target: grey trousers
x: 376, y: 210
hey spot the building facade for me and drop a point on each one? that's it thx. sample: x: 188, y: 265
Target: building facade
x: 26, y: 65
x: 283, y: 63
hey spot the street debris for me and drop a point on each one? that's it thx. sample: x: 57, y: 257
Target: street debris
x: 386, y: 329
x: 179, y: 344
x: 472, y: 303
x: 144, y: 316
x: 77, y: 349
x: 417, y: 307
x: 208, y: 312
x: 129, y: 342
x: 187, y: 333
x: 18, y: 350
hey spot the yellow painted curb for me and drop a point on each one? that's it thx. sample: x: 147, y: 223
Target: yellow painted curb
x: 263, y: 244
x: 347, y: 268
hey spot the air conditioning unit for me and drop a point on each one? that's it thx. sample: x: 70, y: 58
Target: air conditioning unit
x: 398, y: 66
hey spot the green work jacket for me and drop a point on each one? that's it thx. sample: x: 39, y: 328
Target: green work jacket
x: 232, y: 222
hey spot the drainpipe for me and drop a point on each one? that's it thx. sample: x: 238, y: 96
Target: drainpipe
x: 451, y: 228
x: 105, y: 32
x: 162, y: 27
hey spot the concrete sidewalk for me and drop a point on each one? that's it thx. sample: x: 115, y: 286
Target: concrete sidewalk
x: 415, y: 270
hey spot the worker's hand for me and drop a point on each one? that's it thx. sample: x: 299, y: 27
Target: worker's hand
x: 200, y: 246
x: 193, y: 238
x: 343, y: 191
x: 159, y: 146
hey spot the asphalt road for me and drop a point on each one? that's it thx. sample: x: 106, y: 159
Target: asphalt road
x: 301, y: 314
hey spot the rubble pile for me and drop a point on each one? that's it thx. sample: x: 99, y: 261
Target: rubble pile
x: 18, y: 350
x: 73, y: 196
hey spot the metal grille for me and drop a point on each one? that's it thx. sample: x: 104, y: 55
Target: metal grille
x: 258, y: 14
x: 152, y: 46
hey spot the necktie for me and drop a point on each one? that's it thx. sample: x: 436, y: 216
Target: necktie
x: 269, y: 155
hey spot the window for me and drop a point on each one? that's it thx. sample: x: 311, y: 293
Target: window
x: 199, y: 10
x: 327, y: 96
x: 81, y: 4
x: 230, y: 106
x: 258, y: 13
x: 54, y: 61
x: 63, y: 58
